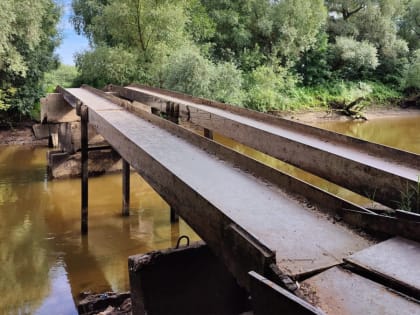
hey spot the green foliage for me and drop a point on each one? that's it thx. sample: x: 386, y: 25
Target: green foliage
x: 27, y: 42
x: 64, y: 76
x: 315, y: 67
x: 412, y: 74
x: 188, y: 71
x: 267, y: 88
x: 410, y: 25
x: 296, y: 24
x: 353, y: 58
x: 106, y: 65
x: 263, y: 54
x: 374, y: 22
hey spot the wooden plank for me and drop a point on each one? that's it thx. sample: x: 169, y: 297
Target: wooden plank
x: 338, y: 291
x: 396, y: 260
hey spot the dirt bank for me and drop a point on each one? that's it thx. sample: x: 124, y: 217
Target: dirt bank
x: 371, y: 113
x: 20, y: 134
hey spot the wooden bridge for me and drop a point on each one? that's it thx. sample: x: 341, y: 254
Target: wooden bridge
x: 284, y: 240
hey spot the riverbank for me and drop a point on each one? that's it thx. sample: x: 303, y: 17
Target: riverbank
x: 371, y: 113
x: 22, y: 133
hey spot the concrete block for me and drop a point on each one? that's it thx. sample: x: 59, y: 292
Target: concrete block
x: 189, y: 280
x: 54, y: 109
x: 64, y: 165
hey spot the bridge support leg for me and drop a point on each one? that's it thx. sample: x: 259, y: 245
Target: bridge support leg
x: 208, y: 133
x: 174, y: 216
x: 84, y: 118
x: 126, y: 188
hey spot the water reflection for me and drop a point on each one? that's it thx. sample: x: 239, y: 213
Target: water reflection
x: 296, y: 172
x: 398, y: 132
x: 44, y: 262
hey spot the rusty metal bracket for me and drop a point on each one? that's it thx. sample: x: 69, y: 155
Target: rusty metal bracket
x: 181, y: 238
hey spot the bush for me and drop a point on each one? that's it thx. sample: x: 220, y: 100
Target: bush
x: 106, y: 65
x: 354, y: 58
x: 64, y: 76
x: 188, y: 71
x: 412, y: 74
x: 267, y: 88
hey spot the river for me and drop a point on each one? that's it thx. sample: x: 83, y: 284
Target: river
x: 44, y: 262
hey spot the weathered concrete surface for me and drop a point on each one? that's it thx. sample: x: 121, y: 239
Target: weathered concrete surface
x: 54, y: 109
x: 270, y: 299
x: 44, y: 131
x: 64, y: 165
x: 211, y: 194
x: 189, y: 280
x: 337, y: 291
x: 69, y: 137
x: 369, y: 169
x: 396, y: 260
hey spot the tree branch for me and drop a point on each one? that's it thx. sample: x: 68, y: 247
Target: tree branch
x: 347, y: 13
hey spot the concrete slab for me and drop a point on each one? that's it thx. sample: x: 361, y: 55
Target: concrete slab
x: 396, y: 260
x: 44, y: 131
x: 352, y: 163
x: 211, y: 193
x: 338, y: 291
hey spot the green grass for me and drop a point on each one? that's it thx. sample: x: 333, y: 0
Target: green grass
x: 319, y: 97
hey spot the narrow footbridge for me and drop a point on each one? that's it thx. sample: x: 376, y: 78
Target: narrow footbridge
x: 287, y: 242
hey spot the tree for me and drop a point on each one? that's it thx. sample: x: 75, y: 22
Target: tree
x: 105, y: 65
x: 374, y: 22
x: 412, y: 74
x: 410, y: 25
x: 27, y: 42
x: 296, y: 24
x: 353, y: 58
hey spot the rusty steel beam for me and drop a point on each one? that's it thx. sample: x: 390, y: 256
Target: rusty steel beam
x: 381, y: 173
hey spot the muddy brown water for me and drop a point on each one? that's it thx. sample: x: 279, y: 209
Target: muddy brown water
x: 45, y: 264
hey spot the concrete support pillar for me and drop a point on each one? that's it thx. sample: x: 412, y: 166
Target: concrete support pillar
x: 174, y: 216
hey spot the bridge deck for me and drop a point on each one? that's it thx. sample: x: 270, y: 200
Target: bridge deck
x: 304, y: 240
x: 338, y: 291
x: 353, y: 163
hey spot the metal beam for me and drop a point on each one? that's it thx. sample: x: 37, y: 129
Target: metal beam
x: 126, y: 188
x: 84, y: 113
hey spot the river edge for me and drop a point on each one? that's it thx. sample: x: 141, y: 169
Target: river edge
x: 22, y: 133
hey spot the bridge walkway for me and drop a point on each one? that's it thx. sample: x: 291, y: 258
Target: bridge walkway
x: 366, y: 168
x: 243, y: 211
